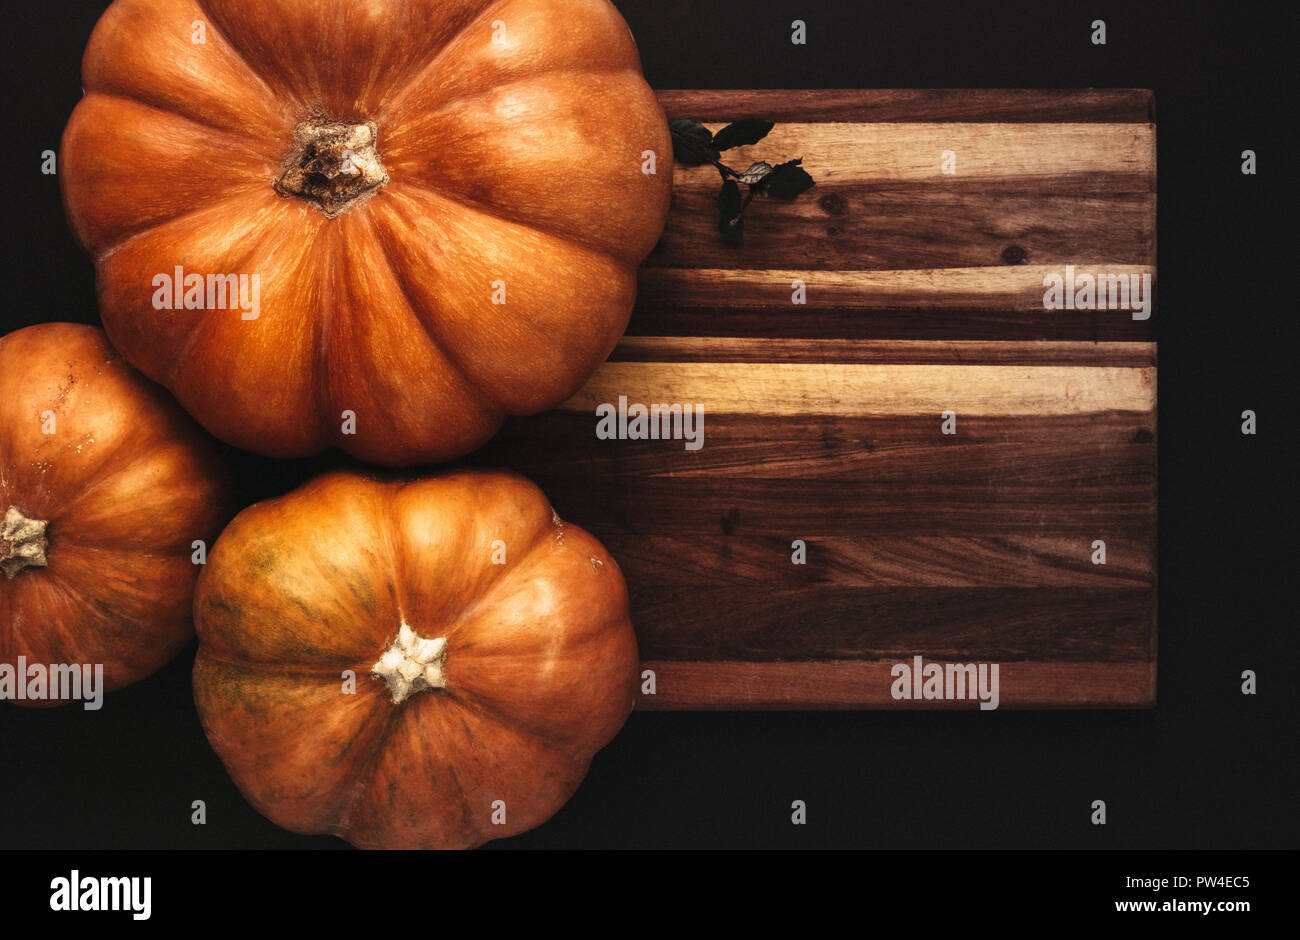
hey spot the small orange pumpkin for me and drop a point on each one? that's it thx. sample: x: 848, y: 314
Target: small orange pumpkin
x: 105, y: 484
x: 411, y: 665
x: 367, y: 224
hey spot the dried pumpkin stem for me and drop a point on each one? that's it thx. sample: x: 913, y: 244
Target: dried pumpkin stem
x: 332, y: 165
x: 22, y: 542
x: 412, y: 664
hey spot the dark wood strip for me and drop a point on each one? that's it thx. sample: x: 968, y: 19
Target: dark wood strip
x: 866, y: 684
x: 1076, y: 105
x: 736, y: 623
x: 873, y: 561
x: 557, y: 443
x: 979, y: 506
x: 730, y: 459
x: 914, y: 352
x: 919, y: 322
x: 945, y: 225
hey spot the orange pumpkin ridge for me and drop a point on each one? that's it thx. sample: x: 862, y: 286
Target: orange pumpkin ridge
x: 373, y: 226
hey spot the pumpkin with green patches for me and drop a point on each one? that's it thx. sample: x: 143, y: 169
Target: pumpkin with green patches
x: 423, y: 664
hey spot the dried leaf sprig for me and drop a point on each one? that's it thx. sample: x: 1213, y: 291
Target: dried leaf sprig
x: 695, y: 145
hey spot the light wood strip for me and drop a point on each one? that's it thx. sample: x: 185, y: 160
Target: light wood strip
x: 888, y: 152
x: 840, y: 389
x: 1007, y: 287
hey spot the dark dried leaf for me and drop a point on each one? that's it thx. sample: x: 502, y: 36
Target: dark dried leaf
x: 691, y: 153
x: 692, y: 142
x: 787, y: 180
x: 741, y: 133
x: 729, y: 208
x: 756, y: 173
x: 693, y: 130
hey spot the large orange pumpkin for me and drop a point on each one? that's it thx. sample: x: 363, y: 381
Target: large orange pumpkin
x: 105, y: 485
x: 434, y: 210
x: 420, y: 665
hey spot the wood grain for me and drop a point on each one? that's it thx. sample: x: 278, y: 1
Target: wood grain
x: 939, y: 323
x: 685, y: 685
x: 915, y: 152
x: 923, y: 293
x: 1008, y: 559
x: 850, y: 389
x: 945, y: 623
x: 955, y: 352
x: 882, y: 226
x: 915, y: 106
x: 1002, y: 288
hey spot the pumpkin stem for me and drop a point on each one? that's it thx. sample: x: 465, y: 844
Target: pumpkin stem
x: 412, y: 664
x: 22, y: 543
x: 332, y: 165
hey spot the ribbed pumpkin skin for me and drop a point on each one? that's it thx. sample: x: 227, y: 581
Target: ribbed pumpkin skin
x: 126, y: 482
x: 513, y: 135
x: 540, y: 664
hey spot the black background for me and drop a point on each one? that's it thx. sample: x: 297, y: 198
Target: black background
x: 1207, y: 768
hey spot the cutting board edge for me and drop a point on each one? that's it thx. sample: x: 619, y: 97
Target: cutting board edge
x: 864, y: 685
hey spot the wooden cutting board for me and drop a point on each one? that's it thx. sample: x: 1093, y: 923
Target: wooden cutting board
x: 924, y: 294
